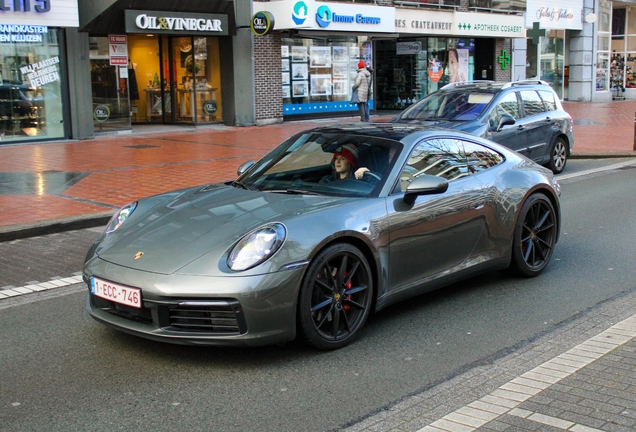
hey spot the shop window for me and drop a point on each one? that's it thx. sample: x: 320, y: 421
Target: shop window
x: 30, y: 90
x: 318, y: 75
x: 111, y: 109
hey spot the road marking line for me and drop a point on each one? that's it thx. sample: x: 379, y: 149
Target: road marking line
x: 42, y: 286
x: 507, y: 398
x: 595, y: 170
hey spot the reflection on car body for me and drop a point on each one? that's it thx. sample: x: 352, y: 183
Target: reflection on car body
x: 278, y: 252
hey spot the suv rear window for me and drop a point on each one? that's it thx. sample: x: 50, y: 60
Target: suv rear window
x: 532, y: 103
x: 548, y: 100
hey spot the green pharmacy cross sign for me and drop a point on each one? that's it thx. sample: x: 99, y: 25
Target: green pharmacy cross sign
x: 535, y: 33
x: 464, y: 26
x: 504, y: 59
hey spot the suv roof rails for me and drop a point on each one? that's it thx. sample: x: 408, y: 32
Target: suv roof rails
x: 474, y: 83
x: 522, y: 82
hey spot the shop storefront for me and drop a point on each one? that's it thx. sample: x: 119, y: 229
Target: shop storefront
x: 622, y: 59
x: 321, y: 50
x: 435, y: 48
x: 548, y: 40
x: 172, y: 70
x: 413, y: 53
x: 32, y: 70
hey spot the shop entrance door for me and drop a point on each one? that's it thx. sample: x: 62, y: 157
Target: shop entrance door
x: 177, y: 79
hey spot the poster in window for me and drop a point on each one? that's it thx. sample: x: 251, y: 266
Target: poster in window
x: 320, y: 57
x: 299, y: 53
x: 340, y: 54
x: 354, y: 52
x: 320, y: 85
x: 285, y: 77
x: 340, y: 70
x: 286, y: 92
x: 340, y: 87
x: 284, y: 51
x: 285, y: 65
x: 300, y: 71
x: 299, y: 89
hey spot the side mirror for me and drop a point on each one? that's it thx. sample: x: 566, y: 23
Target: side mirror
x: 425, y: 184
x: 506, y: 120
x: 244, y: 167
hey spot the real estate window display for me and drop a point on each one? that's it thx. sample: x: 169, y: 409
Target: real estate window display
x: 31, y: 105
x: 318, y: 74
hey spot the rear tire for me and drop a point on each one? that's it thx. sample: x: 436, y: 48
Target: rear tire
x: 558, y: 156
x: 535, y: 236
x: 335, y: 297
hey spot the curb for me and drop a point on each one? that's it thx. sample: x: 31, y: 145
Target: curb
x: 54, y: 226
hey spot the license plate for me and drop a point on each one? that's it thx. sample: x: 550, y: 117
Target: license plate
x: 117, y: 293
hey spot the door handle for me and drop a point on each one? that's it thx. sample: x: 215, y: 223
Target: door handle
x: 521, y: 127
x: 548, y: 120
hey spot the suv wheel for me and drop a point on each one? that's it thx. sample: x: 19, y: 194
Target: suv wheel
x: 558, y: 156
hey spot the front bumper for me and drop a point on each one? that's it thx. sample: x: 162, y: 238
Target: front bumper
x: 199, y: 310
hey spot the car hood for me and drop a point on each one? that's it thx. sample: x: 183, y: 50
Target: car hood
x: 174, y: 229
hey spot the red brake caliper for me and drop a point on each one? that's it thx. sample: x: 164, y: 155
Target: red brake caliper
x: 347, y: 286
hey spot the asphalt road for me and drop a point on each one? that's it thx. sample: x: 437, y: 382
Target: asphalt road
x: 60, y: 370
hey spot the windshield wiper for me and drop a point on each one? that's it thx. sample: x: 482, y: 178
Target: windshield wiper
x: 238, y: 184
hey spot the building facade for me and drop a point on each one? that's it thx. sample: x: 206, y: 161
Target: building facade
x: 194, y: 62
x: 414, y: 48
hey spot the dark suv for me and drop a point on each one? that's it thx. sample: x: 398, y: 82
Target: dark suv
x: 525, y: 116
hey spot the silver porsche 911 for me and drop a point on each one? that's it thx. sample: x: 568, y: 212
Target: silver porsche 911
x: 333, y: 224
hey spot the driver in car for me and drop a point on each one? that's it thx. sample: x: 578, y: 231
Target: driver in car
x: 344, y: 161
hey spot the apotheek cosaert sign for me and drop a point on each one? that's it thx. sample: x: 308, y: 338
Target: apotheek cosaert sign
x: 176, y: 23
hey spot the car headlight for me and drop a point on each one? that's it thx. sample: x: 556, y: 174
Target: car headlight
x: 256, y: 247
x: 120, y: 217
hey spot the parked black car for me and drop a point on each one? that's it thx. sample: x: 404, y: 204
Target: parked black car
x: 525, y: 116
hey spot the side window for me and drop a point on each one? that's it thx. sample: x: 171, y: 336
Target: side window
x: 532, y: 103
x: 480, y: 158
x: 548, y: 100
x: 439, y: 157
x: 507, y: 105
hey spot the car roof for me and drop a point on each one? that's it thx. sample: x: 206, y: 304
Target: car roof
x: 391, y: 131
x: 495, y: 86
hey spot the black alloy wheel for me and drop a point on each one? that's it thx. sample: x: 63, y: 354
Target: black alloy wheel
x: 558, y: 156
x: 535, y: 235
x: 336, y: 297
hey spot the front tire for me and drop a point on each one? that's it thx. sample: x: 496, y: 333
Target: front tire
x: 335, y: 297
x: 558, y: 156
x: 535, y: 236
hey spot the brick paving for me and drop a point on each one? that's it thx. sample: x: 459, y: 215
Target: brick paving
x: 581, y: 378
x: 92, y: 178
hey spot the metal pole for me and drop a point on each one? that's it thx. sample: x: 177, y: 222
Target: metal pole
x: 635, y: 131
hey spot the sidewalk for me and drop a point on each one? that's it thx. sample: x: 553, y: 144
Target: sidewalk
x: 69, y: 185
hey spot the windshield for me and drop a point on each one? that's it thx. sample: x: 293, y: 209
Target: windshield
x: 318, y: 163
x: 449, y: 105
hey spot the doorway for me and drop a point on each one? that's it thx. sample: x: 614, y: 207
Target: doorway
x: 177, y: 79
x: 484, y: 60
